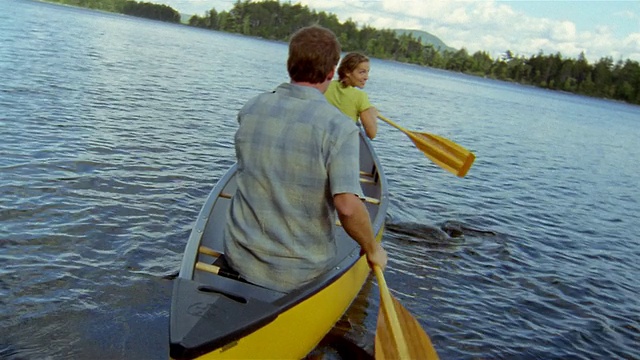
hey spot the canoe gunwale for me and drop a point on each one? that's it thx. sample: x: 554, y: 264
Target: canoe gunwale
x: 190, y: 256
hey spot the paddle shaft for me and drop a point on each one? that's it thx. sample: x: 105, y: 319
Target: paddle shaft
x: 388, y: 121
x: 390, y: 313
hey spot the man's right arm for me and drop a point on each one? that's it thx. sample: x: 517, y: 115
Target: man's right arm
x: 355, y: 220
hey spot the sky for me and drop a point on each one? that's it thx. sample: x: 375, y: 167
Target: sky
x: 597, y: 28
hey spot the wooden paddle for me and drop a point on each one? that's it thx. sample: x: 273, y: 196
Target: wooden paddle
x: 398, y: 333
x: 444, y: 152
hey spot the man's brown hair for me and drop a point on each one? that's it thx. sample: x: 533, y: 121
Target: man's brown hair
x: 314, y: 51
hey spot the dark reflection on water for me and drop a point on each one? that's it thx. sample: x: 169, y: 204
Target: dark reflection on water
x: 112, y: 140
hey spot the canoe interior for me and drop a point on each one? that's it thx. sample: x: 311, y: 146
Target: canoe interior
x: 210, y: 311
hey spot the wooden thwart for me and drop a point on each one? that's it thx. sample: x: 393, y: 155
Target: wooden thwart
x: 208, y: 251
x: 207, y: 267
x: 367, y: 178
x: 217, y: 270
x: 367, y: 181
x: 372, y: 200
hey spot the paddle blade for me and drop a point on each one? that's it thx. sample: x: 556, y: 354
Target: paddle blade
x: 418, y: 344
x: 444, y: 152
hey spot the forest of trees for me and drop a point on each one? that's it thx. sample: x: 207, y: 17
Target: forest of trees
x: 141, y: 9
x: 270, y: 19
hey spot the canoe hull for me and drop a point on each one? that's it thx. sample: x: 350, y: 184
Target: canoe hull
x: 322, y: 310
x: 216, y: 317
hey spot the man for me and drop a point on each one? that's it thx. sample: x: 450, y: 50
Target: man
x: 297, y: 165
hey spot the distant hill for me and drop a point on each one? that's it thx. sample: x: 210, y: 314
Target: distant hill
x: 426, y: 38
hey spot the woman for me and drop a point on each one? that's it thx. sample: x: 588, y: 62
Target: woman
x: 345, y: 93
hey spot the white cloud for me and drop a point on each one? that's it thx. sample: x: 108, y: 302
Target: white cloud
x: 564, y: 31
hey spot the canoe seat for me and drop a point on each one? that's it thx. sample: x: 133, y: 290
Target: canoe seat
x: 367, y: 178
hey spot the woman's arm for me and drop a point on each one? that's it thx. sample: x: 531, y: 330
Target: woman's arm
x: 369, y: 119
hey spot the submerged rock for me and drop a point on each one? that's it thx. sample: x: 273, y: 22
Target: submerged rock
x: 457, y: 229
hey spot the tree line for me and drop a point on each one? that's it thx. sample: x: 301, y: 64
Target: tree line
x: 272, y: 20
x: 129, y: 7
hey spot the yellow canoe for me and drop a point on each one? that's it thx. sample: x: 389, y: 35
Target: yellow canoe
x: 214, y: 315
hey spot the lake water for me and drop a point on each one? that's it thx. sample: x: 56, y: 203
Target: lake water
x: 114, y: 130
